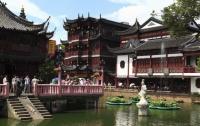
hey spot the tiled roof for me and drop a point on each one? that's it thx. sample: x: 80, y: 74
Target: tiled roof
x: 138, y: 28
x: 186, y: 43
x: 168, y: 43
x: 68, y: 22
x: 128, y: 48
x: 133, y: 29
x: 9, y: 20
x: 193, y: 45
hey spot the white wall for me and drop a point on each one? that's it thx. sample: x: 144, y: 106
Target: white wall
x: 193, y: 85
x: 122, y: 72
x: 131, y: 74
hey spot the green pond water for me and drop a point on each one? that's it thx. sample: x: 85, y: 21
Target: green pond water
x: 189, y: 115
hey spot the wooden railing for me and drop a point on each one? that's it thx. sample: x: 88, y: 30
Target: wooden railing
x: 4, y: 90
x: 189, y: 69
x: 58, y: 90
x: 66, y: 90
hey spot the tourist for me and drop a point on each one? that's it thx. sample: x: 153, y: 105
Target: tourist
x: 67, y: 81
x: 5, y: 80
x: 121, y: 85
x: 132, y: 85
x: 34, y: 82
x: 81, y: 81
x: 27, y: 84
x: 19, y: 86
x: 14, y: 84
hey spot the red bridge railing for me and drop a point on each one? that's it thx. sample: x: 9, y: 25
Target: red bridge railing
x: 4, y: 90
x: 67, y: 90
x: 58, y: 90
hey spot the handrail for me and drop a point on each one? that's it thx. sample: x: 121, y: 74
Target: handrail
x: 4, y: 90
x: 58, y: 90
x: 61, y: 90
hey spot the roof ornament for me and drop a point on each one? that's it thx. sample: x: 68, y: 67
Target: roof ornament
x: 137, y: 24
x: 78, y: 15
x: 46, y: 27
x: 100, y: 16
x: 153, y: 13
x: 82, y: 16
x: 88, y: 14
x: 3, y: 4
x: 22, y: 13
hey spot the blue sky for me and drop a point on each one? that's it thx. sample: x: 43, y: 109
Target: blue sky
x: 117, y: 10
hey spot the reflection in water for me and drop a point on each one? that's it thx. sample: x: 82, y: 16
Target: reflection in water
x: 13, y: 122
x: 124, y: 117
x: 194, y: 117
x: 118, y: 116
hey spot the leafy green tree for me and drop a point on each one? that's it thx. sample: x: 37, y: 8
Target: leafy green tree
x: 198, y: 63
x: 46, y: 71
x: 177, y: 16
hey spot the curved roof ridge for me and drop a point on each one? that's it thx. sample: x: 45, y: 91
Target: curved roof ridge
x: 24, y: 24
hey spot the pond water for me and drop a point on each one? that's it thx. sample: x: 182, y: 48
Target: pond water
x: 189, y: 115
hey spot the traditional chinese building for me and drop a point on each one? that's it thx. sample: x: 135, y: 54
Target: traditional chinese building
x: 86, y: 52
x: 167, y: 64
x: 23, y: 45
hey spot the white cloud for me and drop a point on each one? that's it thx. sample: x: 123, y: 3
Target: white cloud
x: 125, y: 1
x: 30, y: 8
x: 137, y: 9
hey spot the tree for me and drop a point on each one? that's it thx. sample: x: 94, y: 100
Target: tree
x: 177, y: 16
x: 46, y: 71
x: 198, y: 63
x: 59, y: 55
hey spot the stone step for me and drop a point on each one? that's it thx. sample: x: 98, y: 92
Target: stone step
x: 13, y: 99
x: 24, y: 115
x: 43, y: 110
x: 35, y: 100
x: 22, y: 112
x: 37, y: 106
x: 46, y: 113
x: 47, y: 116
x: 18, y: 107
x: 25, y: 118
x: 37, y: 103
x: 14, y: 102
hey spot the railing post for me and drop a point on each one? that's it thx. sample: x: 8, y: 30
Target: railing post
x: 59, y: 80
x: 35, y: 89
x: 7, y: 89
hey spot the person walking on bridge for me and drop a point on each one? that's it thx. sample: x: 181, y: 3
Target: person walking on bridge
x: 14, y: 84
x: 27, y: 84
x: 34, y: 83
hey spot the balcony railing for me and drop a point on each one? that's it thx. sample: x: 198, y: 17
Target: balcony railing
x: 189, y: 69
